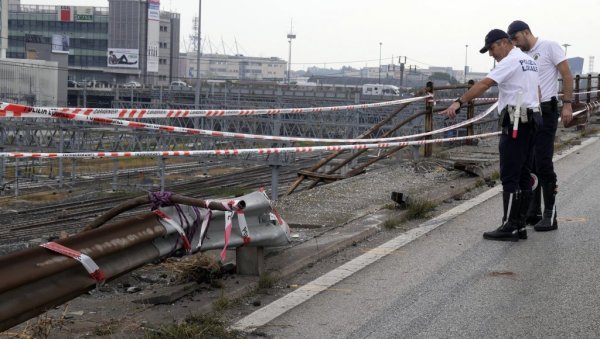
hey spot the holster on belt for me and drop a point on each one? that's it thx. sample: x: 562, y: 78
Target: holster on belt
x: 507, y: 118
x: 550, y: 106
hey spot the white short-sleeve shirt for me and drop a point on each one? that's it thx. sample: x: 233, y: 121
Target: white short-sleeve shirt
x: 516, y: 73
x: 547, y: 54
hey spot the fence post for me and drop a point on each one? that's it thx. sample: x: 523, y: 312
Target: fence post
x: 589, y: 89
x: 470, y: 114
x: 576, y: 91
x: 115, y: 181
x: 428, y: 119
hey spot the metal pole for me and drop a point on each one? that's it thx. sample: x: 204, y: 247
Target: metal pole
x: 466, y: 67
x: 2, y: 167
x: 16, y: 177
x: 84, y: 94
x: 275, y: 161
x: 379, y: 63
x: 289, y: 72
x: 197, y: 96
x: 115, y: 173
x: 565, y: 46
x: 162, y: 174
x: 60, y: 160
x: 73, y: 166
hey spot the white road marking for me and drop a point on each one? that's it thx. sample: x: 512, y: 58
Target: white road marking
x: 278, y: 307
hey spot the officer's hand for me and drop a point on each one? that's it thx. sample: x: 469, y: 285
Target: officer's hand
x: 566, y: 114
x: 451, y: 110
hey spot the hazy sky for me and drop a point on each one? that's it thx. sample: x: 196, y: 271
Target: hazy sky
x: 333, y: 33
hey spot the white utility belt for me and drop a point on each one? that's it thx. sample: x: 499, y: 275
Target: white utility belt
x: 524, y: 112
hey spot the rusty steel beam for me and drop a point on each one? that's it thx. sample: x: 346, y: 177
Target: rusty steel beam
x: 145, y: 199
x: 37, y: 279
x: 360, y: 152
x: 324, y: 161
x: 27, y: 301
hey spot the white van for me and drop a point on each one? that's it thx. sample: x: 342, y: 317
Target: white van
x: 379, y: 89
x: 179, y: 85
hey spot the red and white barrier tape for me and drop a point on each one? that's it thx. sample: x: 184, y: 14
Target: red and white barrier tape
x: 170, y: 222
x: 14, y: 110
x: 203, y: 228
x: 88, y: 263
x: 224, y: 152
x: 233, y: 209
x: 193, y: 131
x: 475, y: 99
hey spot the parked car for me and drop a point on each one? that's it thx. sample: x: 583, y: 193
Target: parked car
x: 179, y: 85
x: 132, y: 84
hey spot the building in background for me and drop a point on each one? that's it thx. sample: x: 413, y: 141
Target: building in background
x: 138, y: 27
x: 31, y: 82
x: 111, y: 45
x: 576, y: 65
x: 3, y: 28
x: 232, y: 67
x: 80, y: 33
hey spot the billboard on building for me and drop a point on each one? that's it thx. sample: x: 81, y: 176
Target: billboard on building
x: 60, y: 43
x: 153, y: 35
x: 123, y: 57
x: 65, y: 14
x: 153, y: 11
x: 84, y: 14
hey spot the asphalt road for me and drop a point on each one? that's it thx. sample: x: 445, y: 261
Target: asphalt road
x: 450, y: 282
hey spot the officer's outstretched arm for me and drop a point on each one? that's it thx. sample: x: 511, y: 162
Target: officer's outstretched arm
x: 478, y: 89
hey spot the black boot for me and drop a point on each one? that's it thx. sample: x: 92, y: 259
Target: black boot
x: 526, y: 202
x: 508, y: 231
x: 534, y: 212
x: 548, y: 222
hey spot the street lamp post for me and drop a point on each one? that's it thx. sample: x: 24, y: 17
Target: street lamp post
x: 466, y: 65
x: 290, y: 36
x: 380, y: 62
x: 565, y: 46
x: 197, y: 96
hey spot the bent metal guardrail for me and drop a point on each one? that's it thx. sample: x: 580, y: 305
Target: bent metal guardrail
x: 37, y: 279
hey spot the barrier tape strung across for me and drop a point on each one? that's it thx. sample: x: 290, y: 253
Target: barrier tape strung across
x: 233, y: 135
x: 15, y: 110
x: 475, y: 99
x: 225, y: 152
x: 86, y: 261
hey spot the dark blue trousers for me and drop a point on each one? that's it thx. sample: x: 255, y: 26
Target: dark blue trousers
x: 544, y: 143
x: 516, y: 155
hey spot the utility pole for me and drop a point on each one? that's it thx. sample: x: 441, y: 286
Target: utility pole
x: 379, y: 62
x: 290, y: 37
x: 565, y: 46
x: 198, y: 44
x: 466, y: 67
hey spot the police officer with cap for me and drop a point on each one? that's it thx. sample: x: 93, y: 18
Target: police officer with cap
x: 516, y: 75
x: 551, y: 61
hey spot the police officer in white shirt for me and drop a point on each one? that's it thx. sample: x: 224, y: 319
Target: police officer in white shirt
x: 551, y: 61
x: 516, y: 75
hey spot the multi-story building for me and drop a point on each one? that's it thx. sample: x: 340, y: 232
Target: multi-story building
x: 233, y: 67
x: 112, y: 44
x: 3, y: 28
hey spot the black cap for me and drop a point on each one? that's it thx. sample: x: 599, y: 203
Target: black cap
x: 515, y: 27
x: 493, y: 36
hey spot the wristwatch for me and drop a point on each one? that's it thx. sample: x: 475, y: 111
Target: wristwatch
x: 567, y: 101
x: 460, y: 102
